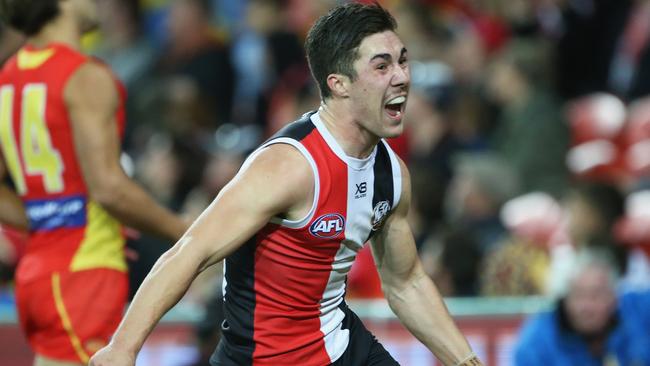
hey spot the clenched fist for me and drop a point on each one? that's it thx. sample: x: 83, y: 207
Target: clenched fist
x: 110, y: 356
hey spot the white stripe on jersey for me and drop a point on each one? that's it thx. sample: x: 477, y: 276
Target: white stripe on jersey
x: 360, y: 191
x: 397, y: 174
x: 335, y: 338
x: 296, y: 224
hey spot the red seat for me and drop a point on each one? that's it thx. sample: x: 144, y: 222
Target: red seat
x: 597, y: 124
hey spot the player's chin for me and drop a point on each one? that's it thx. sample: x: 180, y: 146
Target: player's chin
x: 393, y: 129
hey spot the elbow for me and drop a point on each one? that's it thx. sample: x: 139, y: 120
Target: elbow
x: 396, y: 285
x: 105, y: 192
x: 394, y: 290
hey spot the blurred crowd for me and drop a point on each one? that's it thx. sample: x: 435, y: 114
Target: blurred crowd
x: 528, y: 125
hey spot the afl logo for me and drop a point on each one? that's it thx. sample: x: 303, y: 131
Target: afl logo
x: 327, y: 226
x: 379, y: 214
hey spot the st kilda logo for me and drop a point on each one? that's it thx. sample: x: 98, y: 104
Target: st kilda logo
x: 328, y: 225
x: 379, y: 214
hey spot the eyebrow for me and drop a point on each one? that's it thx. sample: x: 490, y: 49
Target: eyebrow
x: 387, y: 56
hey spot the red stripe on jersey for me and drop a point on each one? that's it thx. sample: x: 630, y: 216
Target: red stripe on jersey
x: 292, y: 270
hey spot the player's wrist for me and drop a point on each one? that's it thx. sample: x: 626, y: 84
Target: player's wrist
x: 470, y: 360
x: 123, y: 346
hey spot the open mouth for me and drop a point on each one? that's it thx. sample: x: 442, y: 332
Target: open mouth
x: 395, y: 107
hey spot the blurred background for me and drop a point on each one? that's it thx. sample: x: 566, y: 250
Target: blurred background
x: 528, y: 140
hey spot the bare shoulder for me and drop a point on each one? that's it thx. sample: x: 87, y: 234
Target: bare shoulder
x: 405, y: 198
x: 279, y: 176
x: 406, y: 176
x: 282, y: 157
x: 92, y: 85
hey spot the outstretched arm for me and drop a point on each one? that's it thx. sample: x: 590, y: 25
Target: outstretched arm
x: 92, y: 100
x: 411, y: 294
x: 277, y: 180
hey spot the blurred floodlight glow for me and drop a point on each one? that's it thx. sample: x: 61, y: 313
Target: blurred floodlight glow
x: 587, y: 156
x: 637, y: 204
x: 609, y: 113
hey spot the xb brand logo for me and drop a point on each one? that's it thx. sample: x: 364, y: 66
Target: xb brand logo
x: 362, y: 188
x: 327, y: 226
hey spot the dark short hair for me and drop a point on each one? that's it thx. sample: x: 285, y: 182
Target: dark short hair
x: 28, y: 16
x: 332, y: 44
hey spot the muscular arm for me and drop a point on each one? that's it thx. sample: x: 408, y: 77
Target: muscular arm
x: 12, y: 211
x: 278, y: 180
x: 92, y: 100
x: 410, y: 292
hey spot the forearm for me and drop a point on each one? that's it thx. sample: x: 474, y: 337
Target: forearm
x: 420, y: 308
x: 163, y: 287
x: 131, y: 205
x: 12, y: 211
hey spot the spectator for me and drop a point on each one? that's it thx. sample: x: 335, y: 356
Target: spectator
x: 123, y: 45
x: 454, y: 263
x: 516, y: 268
x: 431, y: 141
x: 481, y: 184
x: 269, y: 60
x: 591, y: 325
x: 592, y: 210
x: 431, y: 147
x: 605, y: 47
x: 194, y: 50
x: 531, y: 133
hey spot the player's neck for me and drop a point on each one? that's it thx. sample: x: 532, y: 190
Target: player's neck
x: 61, y: 30
x: 356, y: 141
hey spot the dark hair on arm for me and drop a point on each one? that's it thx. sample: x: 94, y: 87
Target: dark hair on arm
x: 333, y: 42
x: 28, y: 16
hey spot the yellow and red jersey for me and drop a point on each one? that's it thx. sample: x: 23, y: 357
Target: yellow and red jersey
x: 68, y: 231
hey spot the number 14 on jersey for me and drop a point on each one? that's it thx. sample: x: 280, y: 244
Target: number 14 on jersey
x: 30, y: 152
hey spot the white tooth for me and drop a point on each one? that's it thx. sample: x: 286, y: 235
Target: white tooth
x: 397, y: 100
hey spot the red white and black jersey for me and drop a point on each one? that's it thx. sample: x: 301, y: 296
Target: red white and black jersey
x: 284, y: 290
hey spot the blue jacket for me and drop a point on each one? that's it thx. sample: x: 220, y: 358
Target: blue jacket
x: 544, y: 341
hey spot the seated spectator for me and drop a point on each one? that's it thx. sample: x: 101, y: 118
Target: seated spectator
x: 531, y: 133
x: 481, y: 184
x: 195, y: 51
x: 591, y: 325
x: 517, y: 267
x: 452, y: 261
x: 123, y: 44
x: 592, y: 210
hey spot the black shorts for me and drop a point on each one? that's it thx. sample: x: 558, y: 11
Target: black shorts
x: 363, y: 349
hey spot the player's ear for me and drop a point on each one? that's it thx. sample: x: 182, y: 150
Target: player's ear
x: 339, y: 85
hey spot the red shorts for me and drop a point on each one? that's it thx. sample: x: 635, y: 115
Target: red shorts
x: 70, y: 315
